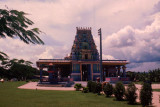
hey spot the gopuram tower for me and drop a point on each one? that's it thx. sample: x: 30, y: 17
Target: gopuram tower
x: 84, y: 47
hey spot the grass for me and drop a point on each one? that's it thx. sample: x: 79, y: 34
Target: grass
x: 158, y: 90
x: 141, y: 82
x: 11, y: 96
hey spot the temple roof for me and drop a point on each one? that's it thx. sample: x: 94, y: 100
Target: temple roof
x: 63, y: 61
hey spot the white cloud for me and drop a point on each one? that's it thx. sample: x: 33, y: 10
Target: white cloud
x: 136, y: 45
x: 129, y: 28
x: 145, y: 66
x: 107, y: 57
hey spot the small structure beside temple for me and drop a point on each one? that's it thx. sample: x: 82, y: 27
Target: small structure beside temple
x: 83, y: 63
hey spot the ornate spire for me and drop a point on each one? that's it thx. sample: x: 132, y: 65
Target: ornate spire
x: 84, y: 47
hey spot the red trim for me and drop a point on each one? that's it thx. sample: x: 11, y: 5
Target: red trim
x: 50, y: 71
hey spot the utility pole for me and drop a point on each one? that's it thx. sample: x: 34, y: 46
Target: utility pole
x: 101, y: 72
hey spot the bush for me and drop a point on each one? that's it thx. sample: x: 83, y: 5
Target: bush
x: 27, y: 80
x: 77, y: 87
x: 108, y: 89
x: 119, y: 91
x: 89, y: 85
x: 131, y: 93
x: 85, y: 90
x: 93, y: 87
x: 34, y: 80
x: 146, y: 94
x: 98, y: 88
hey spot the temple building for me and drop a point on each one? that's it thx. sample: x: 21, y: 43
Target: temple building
x: 83, y: 63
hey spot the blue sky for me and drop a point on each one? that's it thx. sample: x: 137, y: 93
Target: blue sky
x: 130, y: 29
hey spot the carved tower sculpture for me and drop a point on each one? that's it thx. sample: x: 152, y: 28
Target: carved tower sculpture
x: 84, y: 47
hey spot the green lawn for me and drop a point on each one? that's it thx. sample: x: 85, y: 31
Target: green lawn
x: 156, y: 90
x: 11, y: 96
x: 141, y: 82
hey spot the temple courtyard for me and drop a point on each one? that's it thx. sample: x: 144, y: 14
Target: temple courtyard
x: 17, y: 94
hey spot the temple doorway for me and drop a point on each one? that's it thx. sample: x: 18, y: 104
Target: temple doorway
x: 86, y: 72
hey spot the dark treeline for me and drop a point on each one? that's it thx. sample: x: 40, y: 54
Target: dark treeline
x: 19, y: 69
x: 15, y: 24
x: 151, y: 75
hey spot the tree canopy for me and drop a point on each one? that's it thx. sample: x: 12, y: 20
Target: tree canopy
x: 14, y: 24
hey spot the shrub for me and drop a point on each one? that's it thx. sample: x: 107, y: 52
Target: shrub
x: 85, y: 90
x: 108, y: 89
x: 89, y: 85
x: 93, y: 87
x: 131, y: 93
x: 119, y: 91
x: 98, y: 88
x: 34, y: 80
x: 27, y: 80
x: 146, y: 94
x: 77, y: 87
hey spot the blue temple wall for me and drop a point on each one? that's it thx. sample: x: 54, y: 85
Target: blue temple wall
x: 76, y: 77
x: 76, y: 70
x: 96, y: 68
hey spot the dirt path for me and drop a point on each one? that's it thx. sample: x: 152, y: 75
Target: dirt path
x: 33, y: 85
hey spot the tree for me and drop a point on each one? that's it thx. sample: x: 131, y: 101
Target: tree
x: 98, y: 88
x: 119, y: 91
x: 108, y: 89
x: 14, y: 24
x: 146, y: 94
x: 3, y: 59
x: 131, y: 93
x: 89, y: 85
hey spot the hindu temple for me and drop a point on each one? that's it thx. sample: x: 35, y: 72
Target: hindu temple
x: 83, y: 62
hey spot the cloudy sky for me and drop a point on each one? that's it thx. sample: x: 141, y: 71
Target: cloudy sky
x: 130, y: 29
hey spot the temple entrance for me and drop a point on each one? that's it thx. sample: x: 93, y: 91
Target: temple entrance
x: 86, y: 72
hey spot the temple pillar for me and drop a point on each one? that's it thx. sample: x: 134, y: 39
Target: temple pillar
x: 81, y: 70
x: 41, y: 70
x: 124, y: 71
x: 50, y: 77
x: 119, y: 68
x: 92, y: 71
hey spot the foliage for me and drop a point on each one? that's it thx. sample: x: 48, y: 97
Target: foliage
x: 19, y: 69
x: 93, y: 87
x: 146, y: 94
x: 77, y: 86
x: 119, y: 91
x: 108, y: 89
x: 14, y: 23
x: 151, y: 75
x: 98, y: 88
x: 131, y: 93
x: 3, y: 59
x: 89, y: 85
x: 85, y: 90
